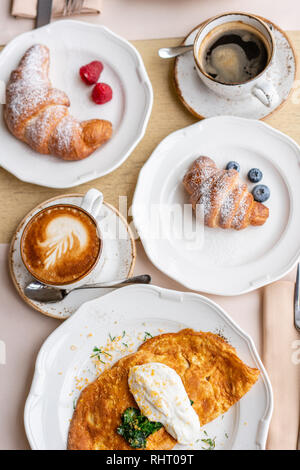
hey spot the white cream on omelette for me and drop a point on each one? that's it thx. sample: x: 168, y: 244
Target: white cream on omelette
x: 161, y: 396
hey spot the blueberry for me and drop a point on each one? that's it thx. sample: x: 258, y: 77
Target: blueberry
x: 233, y: 166
x: 261, y: 193
x: 255, y: 175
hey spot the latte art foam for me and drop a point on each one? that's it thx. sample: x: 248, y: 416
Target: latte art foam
x: 61, y: 236
x: 61, y: 245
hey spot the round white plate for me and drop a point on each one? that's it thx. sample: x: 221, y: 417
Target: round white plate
x: 204, y: 103
x: 73, y: 44
x: 119, y: 258
x: 230, y: 262
x: 63, y: 363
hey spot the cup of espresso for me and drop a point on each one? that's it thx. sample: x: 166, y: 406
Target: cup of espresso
x: 62, y: 245
x: 233, y: 53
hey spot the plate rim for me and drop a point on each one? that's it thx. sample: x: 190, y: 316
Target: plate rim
x: 170, y: 294
x: 146, y: 244
x: 21, y: 224
x: 145, y: 83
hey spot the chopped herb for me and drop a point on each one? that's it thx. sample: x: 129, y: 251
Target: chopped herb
x: 135, y: 428
x: 74, y: 403
x: 226, y: 435
x: 97, y: 353
x: 210, y: 443
x: 192, y: 402
x: 124, y: 333
x: 147, y: 336
x: 125, y: 344
x: 110, y: 337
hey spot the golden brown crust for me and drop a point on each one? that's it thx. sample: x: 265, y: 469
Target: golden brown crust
x: 202, y: 168
x: 38, y: 114
x: 213, y: 375
x: 259, y: 214
x: 226, y: 200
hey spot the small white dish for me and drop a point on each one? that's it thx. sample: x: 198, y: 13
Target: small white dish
x: 63, y: 364
x: 203, y: 102
x: 118, y: 258
x: 73, y: 44
x: 230, y: 262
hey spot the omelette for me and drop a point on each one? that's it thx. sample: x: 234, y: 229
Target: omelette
x: 213, y: 376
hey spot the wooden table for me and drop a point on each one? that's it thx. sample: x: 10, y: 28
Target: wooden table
x: 168, y: 115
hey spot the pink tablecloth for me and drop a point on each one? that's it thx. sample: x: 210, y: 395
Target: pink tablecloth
x: 145, y: 19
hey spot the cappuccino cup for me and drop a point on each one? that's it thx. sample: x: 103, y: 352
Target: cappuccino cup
x: 233, y: 54
x: 62, y: 245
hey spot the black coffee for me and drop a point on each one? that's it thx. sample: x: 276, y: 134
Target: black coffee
x: 234, y: 53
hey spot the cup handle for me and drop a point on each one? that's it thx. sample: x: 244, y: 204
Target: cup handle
x: 265, y: 92
x: 92, y: 202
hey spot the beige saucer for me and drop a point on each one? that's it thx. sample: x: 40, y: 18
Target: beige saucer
x: 204, y: 103
x: 119, y: 258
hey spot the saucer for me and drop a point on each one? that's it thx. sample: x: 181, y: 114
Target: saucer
x: 119, y: 258
x: 204, y: 103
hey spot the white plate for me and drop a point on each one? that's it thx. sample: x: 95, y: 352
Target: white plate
x: 65, y: 356
x: 73, y: 44
x: 118, y: 258
x: 230, y: 262
x: 204, y: 103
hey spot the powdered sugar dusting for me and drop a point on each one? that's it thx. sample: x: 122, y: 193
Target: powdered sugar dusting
x: 201, y: 169
x: 213, y: 191
x: 65, y: 132
x: 240, y: 215
x: 205, y: 191
x: 225, y: 199
x: 39, y: 128
x: 228, y: 207
x: 195, y: 176
x: 28, y: 87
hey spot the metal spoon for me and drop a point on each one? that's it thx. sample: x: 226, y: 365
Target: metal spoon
x: 39, y: 292
x: 169, y: 52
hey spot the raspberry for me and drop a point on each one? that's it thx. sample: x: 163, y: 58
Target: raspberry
x: 90, y: 73
x: 102, y: 93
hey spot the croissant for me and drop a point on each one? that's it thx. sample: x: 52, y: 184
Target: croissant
x: 226, y: 200
x: 38, y: 114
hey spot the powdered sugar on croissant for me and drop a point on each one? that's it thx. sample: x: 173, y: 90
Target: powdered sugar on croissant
x: 38, y: 114
x: 226, y: 200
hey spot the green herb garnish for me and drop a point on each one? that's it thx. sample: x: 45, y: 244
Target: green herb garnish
x: 111, y: 338
x: 211, y: 443
x: 147, y: 336
x: 191, y: 402
x: 135, y: 428
x: 97, y: 353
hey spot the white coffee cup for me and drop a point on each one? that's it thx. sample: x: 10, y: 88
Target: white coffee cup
x: 91, y: 205
x: 259, y: 86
